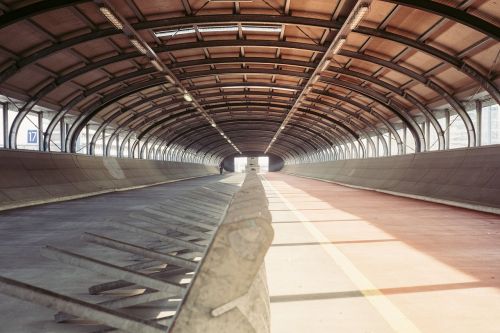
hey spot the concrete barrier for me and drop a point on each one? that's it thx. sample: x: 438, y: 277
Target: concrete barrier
x: 229, y: 290
x: 468, y: 178
x: 28, y: 178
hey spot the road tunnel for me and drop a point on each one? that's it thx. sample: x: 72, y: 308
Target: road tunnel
x: 249, y: 166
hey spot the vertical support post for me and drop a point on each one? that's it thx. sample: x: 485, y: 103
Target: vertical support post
x: 129, y: 150
x: 389, y: 143
x: 424, y: 148
x: 87, y: 139
x: 447, y: 131
x: 40, y: 131
x: 427, y: 134
x: 104, y: 141
x: 5, y: 111
x: 118, y: 145
x: 62, y: 130
x: 405, y: 138
x: 378, y: 145
x: 479, y: 122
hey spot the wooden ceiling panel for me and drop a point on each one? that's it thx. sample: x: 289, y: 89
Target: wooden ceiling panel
x: 70, y: 27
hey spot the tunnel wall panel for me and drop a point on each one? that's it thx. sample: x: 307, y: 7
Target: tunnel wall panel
x: 469, y: 176
x: 28, y: 178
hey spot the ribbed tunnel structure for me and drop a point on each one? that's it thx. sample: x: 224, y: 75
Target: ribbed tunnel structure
x: 98, y: 96
x: 316, y: 80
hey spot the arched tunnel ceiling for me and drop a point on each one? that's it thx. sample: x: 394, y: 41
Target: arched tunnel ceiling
x: 246, y: 64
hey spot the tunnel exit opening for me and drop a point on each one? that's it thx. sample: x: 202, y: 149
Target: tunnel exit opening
x: 241, y: 164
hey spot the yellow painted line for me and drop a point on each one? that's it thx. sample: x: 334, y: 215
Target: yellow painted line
x: 391, y: 314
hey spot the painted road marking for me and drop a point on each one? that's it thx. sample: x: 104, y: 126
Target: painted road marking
x: 391, y: 314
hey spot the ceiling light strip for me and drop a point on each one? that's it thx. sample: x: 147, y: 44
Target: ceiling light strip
x: 142, y: 46
x: 357, y: 14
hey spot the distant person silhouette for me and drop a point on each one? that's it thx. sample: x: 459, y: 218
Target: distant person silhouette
x: 221, y: 169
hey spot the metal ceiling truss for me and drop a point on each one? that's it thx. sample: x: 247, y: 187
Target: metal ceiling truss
x: 359, y: 121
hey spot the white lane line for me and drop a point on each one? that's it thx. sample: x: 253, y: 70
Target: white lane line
x: 391, y: 314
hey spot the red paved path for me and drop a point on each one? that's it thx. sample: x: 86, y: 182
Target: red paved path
x: 428, y: 267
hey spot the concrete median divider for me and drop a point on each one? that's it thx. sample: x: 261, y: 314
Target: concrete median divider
x: 468, y: 177
x: 229, y: 290
x: 28, y: 178
x: 202, y: 273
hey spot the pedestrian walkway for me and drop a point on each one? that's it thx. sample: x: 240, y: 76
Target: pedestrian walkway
x: 349, y: 260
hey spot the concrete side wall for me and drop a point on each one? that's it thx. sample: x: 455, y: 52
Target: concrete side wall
x: 468, y: 176
x: 229, y: 291
x: 34, y: 177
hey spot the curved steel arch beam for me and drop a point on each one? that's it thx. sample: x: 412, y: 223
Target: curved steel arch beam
x: 114, y: 134
x: 289, y: 146
x: 460, y: 65
x: 152, y: 127
x: 223, y: 110
x: 191, y: 130
x: 326, y: 142
x: 340, y: 109
x: 89, y: 92
x: 343, y: 137
x: 396, y: 90
x: 220, y: 151
x: 174, y: 139
x: 258, y: 18
x: 246, y: 60
x: 382, y: 99
x: 135, y: 117
x: 242, y: 71
x: 39, y: 55
x: 453, y: 14
x: 455, y: 104
x: 132, y: 118
x: 225, y: 93
x: 355, y: 115
x: 105, y: 123
x: 371, y: 111
x: 355, y: 125
x: 407, y: 96
x: 89, y: 112
x: 61, y: 80
x: 36, y: 8
x: 86, y: 115
x: 292, y: 139
x: 96, y: 109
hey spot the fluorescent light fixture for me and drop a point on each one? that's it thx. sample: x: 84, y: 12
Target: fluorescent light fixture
x: 325, y: 65
x: 170, y: 79
x: 228, y: 140
x: 218, y: 28
x: 261, y: 28
x: 138, y: 46
x: 260, y: 87
x: 157, y: 65
x: 362, y: 10
x: 230, y: 0
x: 188, y: 97
x: 338, y: 46
x: 111, y: 17
x: 283, y: 127
x: 214, y: 125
